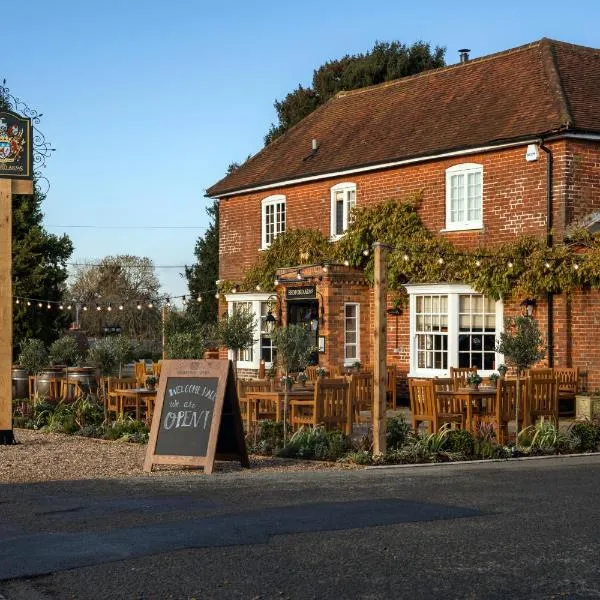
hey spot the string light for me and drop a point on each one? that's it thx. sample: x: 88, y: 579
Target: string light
x: 98, y: 307
x: 109, y: 307
x: 576, y: 266
x: 120, y: 307
x: 168, y: 302
x: 258, y: 288
x: 346, y: 263
x: 150, y: 305
x: 60, y: 306
x: 199, y: 299
x: 477, y: 263
x: 325, y: 268
x: 139, y: 305
x: 18, y: 301
x: 28, y: 303
x: 40, y: 305
x: 547, y: 265
x: 49, y: 306
x: 299, y: 276
x: 68, y: 307
x: 510, y: 264
x: 217, y: 296
x: 85, y: 307
x: 406, y: 258
x: 440, y: 261
x: 366, y: 252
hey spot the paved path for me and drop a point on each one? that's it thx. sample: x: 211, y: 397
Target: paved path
x: 501, y: 530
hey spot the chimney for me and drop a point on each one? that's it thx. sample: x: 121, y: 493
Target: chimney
x: 464, y: 55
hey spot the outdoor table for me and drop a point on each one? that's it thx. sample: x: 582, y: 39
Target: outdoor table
x: 277, y: 396
x: 473, y: 401
x: 136, y: 394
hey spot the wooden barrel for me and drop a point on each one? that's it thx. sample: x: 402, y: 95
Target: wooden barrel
x: 20, y: 382
x: 85, y: 378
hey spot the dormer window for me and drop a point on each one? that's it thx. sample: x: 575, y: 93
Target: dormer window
x: 343, y: 200
x: 273, y: 219
x: 464, y: 197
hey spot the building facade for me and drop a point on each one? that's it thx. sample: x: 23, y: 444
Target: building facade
x: 499, y: 147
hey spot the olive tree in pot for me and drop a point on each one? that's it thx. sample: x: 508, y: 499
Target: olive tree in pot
x: 65, y: 351
x: 185, y: 337
x: 34, y: 357
x: 294, y: 350
x: 522, y: 345
x: 123, y: 349
x: 236, y: 332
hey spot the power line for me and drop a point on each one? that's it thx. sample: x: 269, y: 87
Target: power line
x: 111, y: 266
x: 124, y: 227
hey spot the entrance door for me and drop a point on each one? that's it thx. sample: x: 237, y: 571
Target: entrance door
x: 306, y: 313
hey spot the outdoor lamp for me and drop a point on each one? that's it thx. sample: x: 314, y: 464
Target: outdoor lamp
x: 529, y: 304
x: 270, y: 321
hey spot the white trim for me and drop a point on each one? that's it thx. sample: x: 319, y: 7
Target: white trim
x: 273, y: 200
x: 464, y: 169
x: 453, y: 291
x: 350, y: 361
x: 388, y: 165
x: 255, y: 299
x: 582, y: 136
x: 341, y: 187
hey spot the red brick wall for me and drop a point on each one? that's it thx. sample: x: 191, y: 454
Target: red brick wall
x: 514, y: 204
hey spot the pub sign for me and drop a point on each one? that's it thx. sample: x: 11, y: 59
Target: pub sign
x: 16, y: 151
x: 300, y: 292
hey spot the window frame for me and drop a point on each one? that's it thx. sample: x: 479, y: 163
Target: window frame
x: 462, y: 169
x: 350, y: 361
x: 453, y: 291
x: 273, y: 200
x: 255, y: 300
x: 345, y: 187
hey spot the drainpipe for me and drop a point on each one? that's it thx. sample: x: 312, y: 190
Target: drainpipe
x: 549, y: 243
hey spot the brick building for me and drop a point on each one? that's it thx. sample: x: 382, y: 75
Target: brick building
x: 501, y: 146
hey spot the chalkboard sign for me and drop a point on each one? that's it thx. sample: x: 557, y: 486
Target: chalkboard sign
x: 196, y: 416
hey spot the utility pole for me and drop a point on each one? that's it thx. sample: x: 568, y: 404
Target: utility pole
x: 380, y: 349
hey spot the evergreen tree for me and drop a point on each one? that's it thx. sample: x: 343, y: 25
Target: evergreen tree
x: 39, y: 268
x: 204, y: 273
x: 386, y: 61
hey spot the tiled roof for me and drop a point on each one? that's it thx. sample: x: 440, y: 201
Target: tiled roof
x: 532, y: 90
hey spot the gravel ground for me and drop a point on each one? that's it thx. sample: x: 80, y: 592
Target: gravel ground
x: 41, y: 456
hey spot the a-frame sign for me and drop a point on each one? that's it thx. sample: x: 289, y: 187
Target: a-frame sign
x: 196, y: 416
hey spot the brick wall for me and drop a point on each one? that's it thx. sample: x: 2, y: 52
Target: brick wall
x: 514, y: 204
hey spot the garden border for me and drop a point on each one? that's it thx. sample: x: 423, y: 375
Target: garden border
x: 481, y: 461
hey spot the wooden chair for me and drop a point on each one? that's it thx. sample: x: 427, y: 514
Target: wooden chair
x: 541, y: 400
x: 311, y: 372
x: 114, y: 402
x: 330, y: 407
x: 422, y: 402
x: 443, y: 384
x: 448, y: 409
x: 567, y: 380
x: 501, y: 409
x: 266, y: 409
x: 459, y: 375
x: 156, y: 369
x: 541, y: 373
x: 140, y: 373
x: 361, y: 394
x: 391, y: 386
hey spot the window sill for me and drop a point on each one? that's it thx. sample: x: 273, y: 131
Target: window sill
x: 478, y: 227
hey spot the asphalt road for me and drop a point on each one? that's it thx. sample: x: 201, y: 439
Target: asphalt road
x: 527, y: 529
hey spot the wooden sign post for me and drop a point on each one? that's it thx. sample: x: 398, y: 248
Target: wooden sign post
x: 15, y: 178
x: 196, y: 416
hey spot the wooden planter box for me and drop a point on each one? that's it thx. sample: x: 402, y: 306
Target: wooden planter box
x: 587, y: 406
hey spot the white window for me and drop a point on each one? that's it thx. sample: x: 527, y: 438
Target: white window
x: 343, y: 200
x: 273, y: 218
x: 262, y: 347
x: 351, y: 333
x: 452, y: 326
x: 464, y: 196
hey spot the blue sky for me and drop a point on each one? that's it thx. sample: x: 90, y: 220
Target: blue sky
x: 147, y: 102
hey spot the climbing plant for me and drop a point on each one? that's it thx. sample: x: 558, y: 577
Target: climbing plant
x: 524, y: 267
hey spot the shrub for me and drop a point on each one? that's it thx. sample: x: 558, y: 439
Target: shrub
x: 317, y: 443
x: 64, y: 351
x: 397, y: 432
x: 585, y: 436
x: 268, y: 437
x: 128, y: 430
x: 33, y: 356
x: 358, y: 457
x: 460, y: 441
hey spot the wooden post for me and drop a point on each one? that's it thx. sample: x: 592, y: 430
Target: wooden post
x: 164, y: 313
x: 6, y: 432
x: 380, y: 349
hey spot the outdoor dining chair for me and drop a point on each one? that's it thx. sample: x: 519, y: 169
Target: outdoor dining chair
x: 541, y: 400
x: 567, y: 381
x: 391, y: 390
x: 459, y: 375
x: 265, y: 408
x: 422, y: 402
x: 114, y: 402
x: 500, y: 410
x: 361, y: 394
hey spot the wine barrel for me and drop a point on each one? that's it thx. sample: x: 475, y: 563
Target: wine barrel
x: 48, y: 383
x: 20, y: 382
x: 85, y: 378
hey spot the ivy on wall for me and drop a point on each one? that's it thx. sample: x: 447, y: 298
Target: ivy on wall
x: 525, y: 267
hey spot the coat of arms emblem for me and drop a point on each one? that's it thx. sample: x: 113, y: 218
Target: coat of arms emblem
x: 12, y: 142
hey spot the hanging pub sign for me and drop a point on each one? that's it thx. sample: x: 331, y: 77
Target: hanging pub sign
x: 196, y: 416
x: 300, y: 292
x: 16, y: 147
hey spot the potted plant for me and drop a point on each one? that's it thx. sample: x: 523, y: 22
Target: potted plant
x: 286, y: 382
x: 151, y: 382
x: 503, y: 370
x: 302, y: 378
x: 521, y: 344
x: 321, y: 372
x: 236, y: 331
x: 473, y: 381
x: 294, y: 349
x: 494, y: 379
